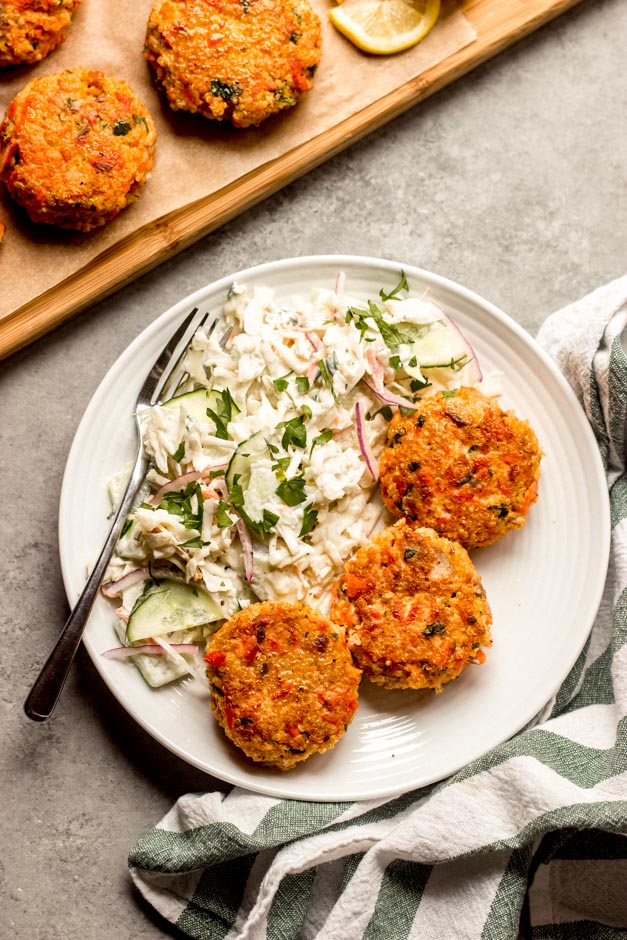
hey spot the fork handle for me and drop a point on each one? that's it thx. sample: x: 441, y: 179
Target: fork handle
x: 48, y: 686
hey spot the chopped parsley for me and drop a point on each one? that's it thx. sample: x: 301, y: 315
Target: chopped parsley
x: 179, y: 453
x: 322, y: 438
x: 356, y: 317
x: 126, y: 526
x: 434, y: 628
x: 327, y: 367
x: 302, y: 384
x: 294, y: 432
x: 454, y: 364
x: 292, y: 491
x: 310, y: 520
x: 225, y: 90
x: 223, y: 520
x: 181, y: 503
x: 281, y: 383
x: 225, y: 409
x: 417, y: 386
x: 121, y: 128
x: 193, y: 543
x: 385, y: 410
x: 280, y: 466
x: 261, y: 526
x: 402, y: 285
x: 393, y: 336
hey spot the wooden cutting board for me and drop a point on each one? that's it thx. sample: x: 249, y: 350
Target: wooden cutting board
x: 498, y: 24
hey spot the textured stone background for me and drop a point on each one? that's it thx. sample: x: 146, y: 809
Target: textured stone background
x: 512, y: 182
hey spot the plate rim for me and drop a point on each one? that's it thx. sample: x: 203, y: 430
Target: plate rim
x: 255, y: 274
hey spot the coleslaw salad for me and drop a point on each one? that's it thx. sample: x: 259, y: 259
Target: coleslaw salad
x: 264, y: 465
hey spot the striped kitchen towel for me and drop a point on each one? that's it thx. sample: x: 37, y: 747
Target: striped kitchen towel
x: 528, y: 841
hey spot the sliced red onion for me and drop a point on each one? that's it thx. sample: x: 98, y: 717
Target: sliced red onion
x: 247, y: 548
x: 339, y: 285
x: 117, y: 588
x: 376, y: 368
x: 311, y: 372
x: 364, y: 444
x: 153, y: 649
x: 177, y: 484
x: 171, y: 650
x: 216, y: 466
x: 314, y: 340
x: 388, y: 398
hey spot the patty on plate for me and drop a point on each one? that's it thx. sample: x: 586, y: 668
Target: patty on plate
x: 30, y: 29
x: 234, y: 60
x: 413, y: 607
x: 462, y: 466
x: 283, y: 684
x: 77, y: 146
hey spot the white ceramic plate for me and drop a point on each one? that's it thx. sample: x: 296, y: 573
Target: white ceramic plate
x: 544, y: 583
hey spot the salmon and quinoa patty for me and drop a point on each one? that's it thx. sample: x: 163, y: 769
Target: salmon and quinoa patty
x: 283, y: 684
x: 462, y: 466
x: 77, y: 146
x: 30, y: 29
x: 234, y: 60
x: 413, y: 607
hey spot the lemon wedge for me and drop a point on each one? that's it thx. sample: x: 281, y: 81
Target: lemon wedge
x: 385, y: 26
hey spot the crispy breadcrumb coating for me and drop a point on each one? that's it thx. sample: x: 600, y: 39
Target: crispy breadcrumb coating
x: 76, y: 148
x: 283, y: 685
x: 30, y: 29
x: 414, y: 608
x: 234, y: 60
x: 461, y: 465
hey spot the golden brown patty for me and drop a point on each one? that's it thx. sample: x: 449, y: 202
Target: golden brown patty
x: 283, y: 685
x: 30, y: 29
x: 236, y: 60
x: 76, y: 148
x: 462, y: 466
x: 413, y: 607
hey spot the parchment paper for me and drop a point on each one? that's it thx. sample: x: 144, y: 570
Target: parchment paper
x: 194, y: 157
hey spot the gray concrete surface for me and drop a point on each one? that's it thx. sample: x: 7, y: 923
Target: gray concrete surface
x: 512, y: 182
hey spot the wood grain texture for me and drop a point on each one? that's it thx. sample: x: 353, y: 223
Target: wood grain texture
x: 498, y: 23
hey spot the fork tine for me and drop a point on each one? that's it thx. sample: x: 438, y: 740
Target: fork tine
x: 176, y: 374
x: 153, y: 379
x: 170, y: 357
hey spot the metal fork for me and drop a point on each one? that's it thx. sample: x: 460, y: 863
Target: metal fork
x: 162, y: 380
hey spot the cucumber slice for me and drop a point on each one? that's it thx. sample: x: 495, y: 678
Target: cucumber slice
x: 117, y: 484
x: 440, y: 345
x: 248, y: 453
x: 169, y: 607
x: 252, y: 484
x: 129, y: 547
x: 195, y: 403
